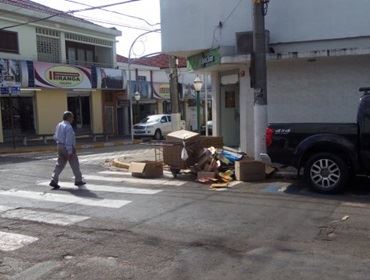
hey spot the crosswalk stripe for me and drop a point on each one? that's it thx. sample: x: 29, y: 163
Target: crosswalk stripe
x: 13, y: 241
x: 126, y: 173
x: 43, y: 217
x: 104, y: 188
x: 63, y: 198
x: 121, y: 173
x: 137, y: 181
x: 102, y: 178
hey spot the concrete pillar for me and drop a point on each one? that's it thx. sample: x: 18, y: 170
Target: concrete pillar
x: 47, y: 113
x: 246, y: 113
x: 1, y: 126
x: 97, y: 112
x: 63, y: 55
x: 160, y: 106
x: 216, y: 105
x: 126, y: 120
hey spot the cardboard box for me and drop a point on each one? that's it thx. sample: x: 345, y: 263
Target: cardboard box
x: 146, y: 169
x: 250, y: 170
x: 183, y: 135
x: 172, y: 152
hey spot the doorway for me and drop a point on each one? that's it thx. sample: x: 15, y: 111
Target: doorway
x: 230, y: 115
x: 80, y: 107
x: 17, y: 111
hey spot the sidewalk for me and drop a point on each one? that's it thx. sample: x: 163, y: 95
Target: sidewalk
x: 39, y: 146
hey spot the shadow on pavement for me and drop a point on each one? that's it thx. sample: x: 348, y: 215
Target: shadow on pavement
x: 357, y: 190
x: 81, y: 192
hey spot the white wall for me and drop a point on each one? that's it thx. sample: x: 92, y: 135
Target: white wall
x: 191, y: 25
x: 26, y: 41
x: 321, y: 91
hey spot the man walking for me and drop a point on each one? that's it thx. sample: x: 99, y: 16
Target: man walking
x: 66, y: 143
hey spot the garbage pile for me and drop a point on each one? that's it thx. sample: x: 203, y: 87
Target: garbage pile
x: 213, y: 164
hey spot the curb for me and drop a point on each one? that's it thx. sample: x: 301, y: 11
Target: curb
x: 37, y: 149
x: 120, y: 164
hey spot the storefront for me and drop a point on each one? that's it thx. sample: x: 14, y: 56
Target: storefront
x: 226, y: 74
x: 35, y: 95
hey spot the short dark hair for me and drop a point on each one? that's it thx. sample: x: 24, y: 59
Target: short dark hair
x: 67, y: 115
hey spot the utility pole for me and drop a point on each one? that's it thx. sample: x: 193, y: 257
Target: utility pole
x: 174, y: 90
x: 260, y: 76
x: 174, y: 94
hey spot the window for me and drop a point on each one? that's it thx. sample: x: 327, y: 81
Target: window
x: 9, y: 42
x: 80, y: 53
x: 169, y: 118
x: 48, y: 49
x: 164, y: 119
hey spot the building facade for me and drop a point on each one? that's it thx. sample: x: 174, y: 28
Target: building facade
x: 55, y: 64
x: 318, y: 57
x: 150, y: 77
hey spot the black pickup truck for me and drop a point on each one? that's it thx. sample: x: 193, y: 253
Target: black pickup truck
x: 329, y: 153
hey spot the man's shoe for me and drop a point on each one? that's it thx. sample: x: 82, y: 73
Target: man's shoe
x: 54, y: 185
x: 80, y: 184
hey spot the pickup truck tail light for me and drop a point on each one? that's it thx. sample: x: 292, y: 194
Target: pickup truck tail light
x: 269, y: 135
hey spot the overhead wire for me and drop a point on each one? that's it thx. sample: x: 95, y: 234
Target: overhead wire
x: 118, y: 13
x: 68, y: 13
x: 222, y: 23
x: 116, y: 24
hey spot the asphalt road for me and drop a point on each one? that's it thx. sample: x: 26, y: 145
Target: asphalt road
x: 125, y: 228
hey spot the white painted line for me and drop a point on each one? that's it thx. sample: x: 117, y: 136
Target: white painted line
x: 136, y: 181
x: 102, y: 178
x: 64, y: 198
x: 44, y: 217
x: 121, y: 173
x: 104, y: 188
x: 126, y: 173
x: 5, y: 208
x: 13, y: 241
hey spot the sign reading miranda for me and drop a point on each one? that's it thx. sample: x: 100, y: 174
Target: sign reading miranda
x: 204, y: 60
x: 49, y: 75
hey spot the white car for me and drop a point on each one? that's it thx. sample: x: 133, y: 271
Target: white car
x: 154, y: 126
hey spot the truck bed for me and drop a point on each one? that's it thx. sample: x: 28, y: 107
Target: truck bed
x: 287, y: 137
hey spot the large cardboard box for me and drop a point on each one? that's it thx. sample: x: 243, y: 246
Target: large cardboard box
x: 172, y: 151
x: 183, y: 135
x: 146, y: 169
x: 250, y: 170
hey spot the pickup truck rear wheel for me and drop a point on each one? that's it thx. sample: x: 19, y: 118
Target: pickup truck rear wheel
x: 326, y: 173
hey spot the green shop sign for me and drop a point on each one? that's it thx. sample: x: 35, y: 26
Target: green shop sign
x: 204, y: 59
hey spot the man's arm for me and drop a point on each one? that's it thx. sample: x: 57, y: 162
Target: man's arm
x: 69, y: 140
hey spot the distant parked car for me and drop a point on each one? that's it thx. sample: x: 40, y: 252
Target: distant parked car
x: 155, y: 126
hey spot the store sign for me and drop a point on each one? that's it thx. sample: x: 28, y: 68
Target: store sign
x: 164, y: 91
x: 204, y: 60
x: 14, y: 74
x: 49, y: 75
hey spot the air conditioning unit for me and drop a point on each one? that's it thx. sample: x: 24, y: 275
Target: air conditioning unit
x: 244, y: 42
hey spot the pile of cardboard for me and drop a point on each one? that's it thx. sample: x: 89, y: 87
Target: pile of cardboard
x: 206, y: 157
